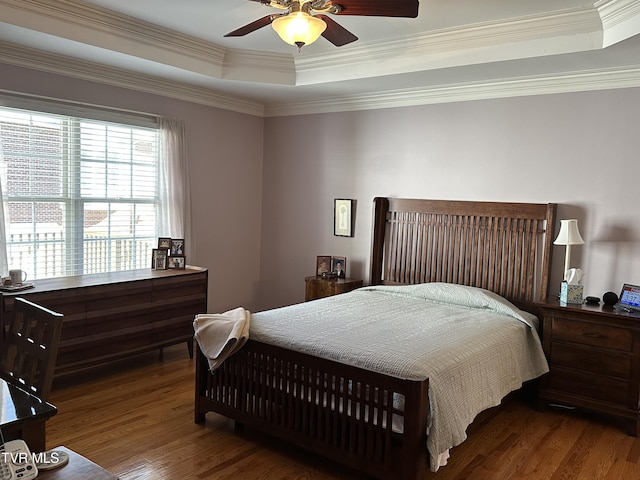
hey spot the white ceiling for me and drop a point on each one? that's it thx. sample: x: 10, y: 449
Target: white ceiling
x: 454, y: 50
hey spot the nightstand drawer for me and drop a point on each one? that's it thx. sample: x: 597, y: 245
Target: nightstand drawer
x: 592, y: 334
x: 589, y: 385
x: 585, y: 359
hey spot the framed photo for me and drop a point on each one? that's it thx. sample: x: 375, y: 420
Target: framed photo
x: 159, y: 259
x: 164, y: 243
x: 339, y: 266
x: 176, y: 261
x: 177, y: 247
x: 323, y: 264
x: 343, y: 217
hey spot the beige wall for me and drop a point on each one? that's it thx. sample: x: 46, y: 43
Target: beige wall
x: 579, y: 150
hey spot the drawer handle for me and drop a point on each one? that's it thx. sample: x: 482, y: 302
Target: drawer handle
x: 591, y: 335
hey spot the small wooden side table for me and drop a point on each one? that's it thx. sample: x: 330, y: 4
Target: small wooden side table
x: 78, y: 467
x: 318, y: 287
x: 594, y: 360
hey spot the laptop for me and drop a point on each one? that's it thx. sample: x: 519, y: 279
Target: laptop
x: 629, y: 298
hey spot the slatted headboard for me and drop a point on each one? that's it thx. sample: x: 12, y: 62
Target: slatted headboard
x: 502, y: 247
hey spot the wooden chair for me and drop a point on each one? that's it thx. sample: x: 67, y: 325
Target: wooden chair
x: 30, y: 347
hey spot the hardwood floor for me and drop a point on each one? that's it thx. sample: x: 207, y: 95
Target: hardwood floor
x: 135, y: 418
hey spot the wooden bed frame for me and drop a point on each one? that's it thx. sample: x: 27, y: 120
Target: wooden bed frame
x: 503, y: 247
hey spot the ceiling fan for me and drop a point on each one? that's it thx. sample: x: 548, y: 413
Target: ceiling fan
x: 303, y: 21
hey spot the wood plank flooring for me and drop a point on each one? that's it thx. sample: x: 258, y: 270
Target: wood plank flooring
x: 135, y: 418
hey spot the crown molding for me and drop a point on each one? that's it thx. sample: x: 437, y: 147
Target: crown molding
x: 619, y: 19
x: 66, y: 66
x: 523, y: 86
x: 562, y: 32
x: 93, y: 25
x: 506, y: 88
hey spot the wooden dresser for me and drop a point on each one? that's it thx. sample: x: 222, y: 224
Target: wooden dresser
x: 113, y: 315
x: 318, y: 287
x: 594, y: 360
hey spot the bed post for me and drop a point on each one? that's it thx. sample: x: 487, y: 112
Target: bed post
x: 200, y: 386
x: 548, y: 250
x: 380, y: 209
x: 415, y: 458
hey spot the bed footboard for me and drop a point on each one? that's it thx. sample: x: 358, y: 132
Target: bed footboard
x: 339, y: 411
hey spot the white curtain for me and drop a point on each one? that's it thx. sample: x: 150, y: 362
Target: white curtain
x: 4, y: 263
x: 175, y: 195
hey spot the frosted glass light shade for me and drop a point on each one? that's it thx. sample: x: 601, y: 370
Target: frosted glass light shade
x: 299, y: 28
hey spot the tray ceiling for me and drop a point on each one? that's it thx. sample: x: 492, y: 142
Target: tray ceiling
x: 455, y: 50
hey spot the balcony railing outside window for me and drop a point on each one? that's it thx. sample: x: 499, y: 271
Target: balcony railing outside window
x: 81, y: 194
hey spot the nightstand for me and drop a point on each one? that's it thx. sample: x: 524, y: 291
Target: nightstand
x: 594, y: 360
x: 318, y: 287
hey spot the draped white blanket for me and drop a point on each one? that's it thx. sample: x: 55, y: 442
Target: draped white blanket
x: 220, y: 335
x: 474, y: 346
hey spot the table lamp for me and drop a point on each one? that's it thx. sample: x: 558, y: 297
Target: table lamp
x: 571, y: 291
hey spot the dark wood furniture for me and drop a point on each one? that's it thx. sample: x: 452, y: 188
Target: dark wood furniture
x: 78, y: 468
x: 504, y: 247
x: 594, y: 360
x: 30, y: 347
x: 318, y: 287
x: 23, y: 415
x: 114, y: 315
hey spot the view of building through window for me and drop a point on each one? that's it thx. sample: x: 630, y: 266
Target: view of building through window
x: 80, y: 195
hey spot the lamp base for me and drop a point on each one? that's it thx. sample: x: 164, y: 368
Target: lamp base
x: 571, y: 294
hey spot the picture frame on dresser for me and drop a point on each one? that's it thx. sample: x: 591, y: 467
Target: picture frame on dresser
x: 323, y: 264
x: 176, y: 261
x: 177, y: 247
x: 159, y: 259
x: 164, y: 243
x: 339, y: 266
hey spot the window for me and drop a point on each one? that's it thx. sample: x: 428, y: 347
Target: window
x: 81, y: 194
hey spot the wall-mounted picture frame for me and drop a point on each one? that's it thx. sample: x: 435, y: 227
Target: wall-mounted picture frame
x: 177, y: 261
x: 343, y: 217
x: 177, y: 247
x: 339, y: 266
x: 164, y: 243
x: 323, y: 264
x: 159, y: 259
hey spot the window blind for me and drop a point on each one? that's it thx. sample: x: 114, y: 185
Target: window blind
x: 81, y: 194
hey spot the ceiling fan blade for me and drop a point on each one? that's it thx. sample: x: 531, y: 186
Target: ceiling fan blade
x: 252, y: 27
x: 336, y: 33
x: 379, y: 8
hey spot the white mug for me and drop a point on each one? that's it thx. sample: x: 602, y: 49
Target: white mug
x: 17, y: 276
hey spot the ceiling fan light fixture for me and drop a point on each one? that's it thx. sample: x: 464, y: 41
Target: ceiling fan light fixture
x: 299, y: 28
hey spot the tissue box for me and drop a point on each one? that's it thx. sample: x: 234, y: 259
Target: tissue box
x: 571, y: 294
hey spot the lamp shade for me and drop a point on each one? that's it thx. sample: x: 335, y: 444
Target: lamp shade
x: 299, y: 28
x: 569, y: 233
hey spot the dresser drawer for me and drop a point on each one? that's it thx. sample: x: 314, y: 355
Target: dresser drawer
x: 581, y: 357
x: 588, y: 385
x: 592, y: 334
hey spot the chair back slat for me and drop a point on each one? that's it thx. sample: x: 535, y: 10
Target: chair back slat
x: 30, y: 347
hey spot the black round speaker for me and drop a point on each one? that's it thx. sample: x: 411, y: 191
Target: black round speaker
x: 610, y: 298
